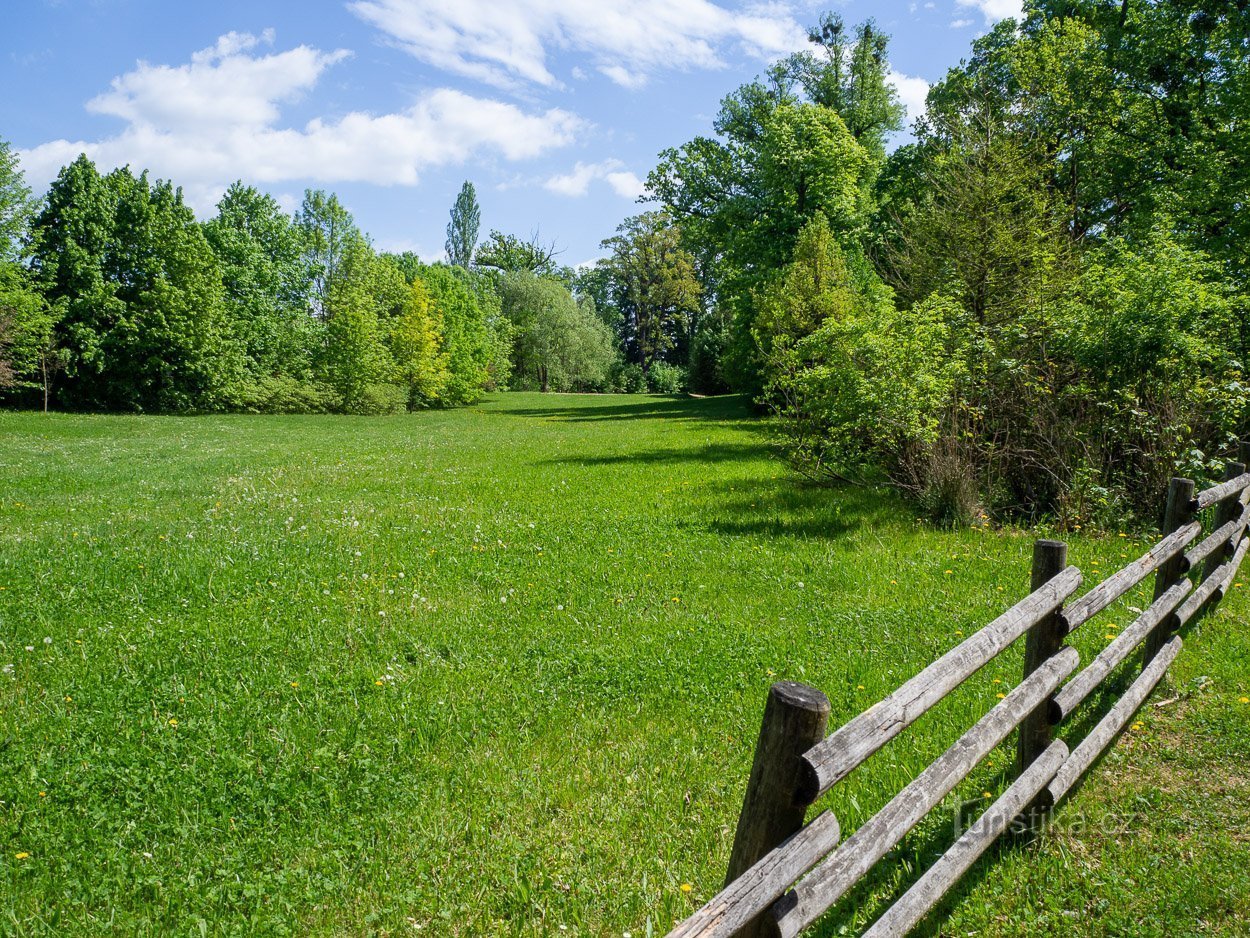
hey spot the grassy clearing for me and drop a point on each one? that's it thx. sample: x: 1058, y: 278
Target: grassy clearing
x: 499, y: 670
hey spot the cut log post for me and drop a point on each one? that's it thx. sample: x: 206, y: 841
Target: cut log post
x: 1177, y: 514
x: 795, y: 719
x: 1229, y: 510
x: 1042, y: 642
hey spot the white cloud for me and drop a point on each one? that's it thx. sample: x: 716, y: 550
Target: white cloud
x: 626, y: 40
x: 577, y: 181
x: 218, y: 119
x: 960, y: 24
x: 994, y: 10
x: 912, y: 91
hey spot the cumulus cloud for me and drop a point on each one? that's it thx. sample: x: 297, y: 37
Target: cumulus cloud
x: 217, y: 118
x: 577, y: 181
x: 912, y: 92
x: 994, y: 10
x: 626, y: 40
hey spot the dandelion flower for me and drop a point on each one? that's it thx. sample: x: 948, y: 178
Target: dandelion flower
x: 986, y: 794
x: 1243, y: 699
x: 686, y: 887
x: 22, y: 855
x: 295, y: 683
x: 173, y: 721
x: 1000, y: 696
x: 378, y: 683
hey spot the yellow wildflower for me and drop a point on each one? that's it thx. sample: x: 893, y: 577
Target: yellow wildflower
x: 22, y: 855
x: 686, y: 887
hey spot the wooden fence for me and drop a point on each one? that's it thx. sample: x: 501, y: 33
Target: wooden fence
x: 783, y: 875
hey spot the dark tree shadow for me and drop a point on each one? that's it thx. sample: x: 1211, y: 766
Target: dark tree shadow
x: 790, y: 507
x: 733, y: 408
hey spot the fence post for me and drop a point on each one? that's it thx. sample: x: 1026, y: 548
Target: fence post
x: 1227, y: 510
x: 795, y: 719
x: 1042, y: 642
x: 1176, y: 515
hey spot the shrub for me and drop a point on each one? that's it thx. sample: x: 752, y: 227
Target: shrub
x: 663, y: 378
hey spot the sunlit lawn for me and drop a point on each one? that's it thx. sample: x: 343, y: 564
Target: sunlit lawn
x: 499, y: 671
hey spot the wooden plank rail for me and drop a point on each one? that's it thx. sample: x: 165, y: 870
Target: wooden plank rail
x: 744, y: 899
x: 925, y: 893
x: 1219, y: 539
x: 784, y: 876
x: 1109, y: 727
x: 1217, y: 493
x: 1072, y: 694
x: 830, y: 880
x: 841, y: 752
x: 1120, y: 582
x: 1214, y: 586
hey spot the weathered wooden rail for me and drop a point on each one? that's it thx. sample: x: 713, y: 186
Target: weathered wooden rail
x: 784, y: 875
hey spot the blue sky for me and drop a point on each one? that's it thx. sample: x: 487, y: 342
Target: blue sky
x: 555, y: 109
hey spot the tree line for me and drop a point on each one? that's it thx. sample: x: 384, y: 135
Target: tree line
x: 1038, y: 307
x: 113, y: 297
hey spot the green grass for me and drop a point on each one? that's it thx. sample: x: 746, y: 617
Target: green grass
x: 499, y: 671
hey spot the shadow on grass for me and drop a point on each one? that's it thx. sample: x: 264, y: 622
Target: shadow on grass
x: 728, y: 407
x: 789, y: 507
x: 709, y: 453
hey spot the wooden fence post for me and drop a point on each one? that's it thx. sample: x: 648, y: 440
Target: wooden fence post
x: 1042, y: 642
x: 1175, y: 515
x: 795, y: 719
x: 1227, y: 510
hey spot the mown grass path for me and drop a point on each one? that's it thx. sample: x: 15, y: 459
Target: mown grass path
x: 498, y: 671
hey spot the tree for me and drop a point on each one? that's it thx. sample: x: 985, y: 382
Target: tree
x: 462, y: 229
x: 364, y: 295
x: 329, y: 233
x: 510, y: 255
x: 16, y: 205
x: 416, y: 343
x: 467, y: 339
x: 136, y: 291
x: 267, y: 285
x: 559, y: 346
x: 807, y: 140
x: 653, y: 286
x: 829, y: 336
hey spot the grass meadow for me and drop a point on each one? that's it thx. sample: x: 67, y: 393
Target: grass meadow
x: 499, y: 671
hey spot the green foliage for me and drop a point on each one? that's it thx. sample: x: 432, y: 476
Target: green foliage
x: 827, y: 342
x: 509, y: 254
x: 653, y: 288
x: 462, y: 229
x: 559, y: 345
x: 417, y: 347
x: 266, y: 278
x: 29, y: 357
x: 471, y: 348
x: 808, y: 141
x: 663, y: 378
x: 16, y: 205
x: 329, y: 236
x: 137, y: 293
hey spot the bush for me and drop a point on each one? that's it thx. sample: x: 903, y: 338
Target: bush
x: 629, y: 379
x: 664, y: 378
x: 377, y: 399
